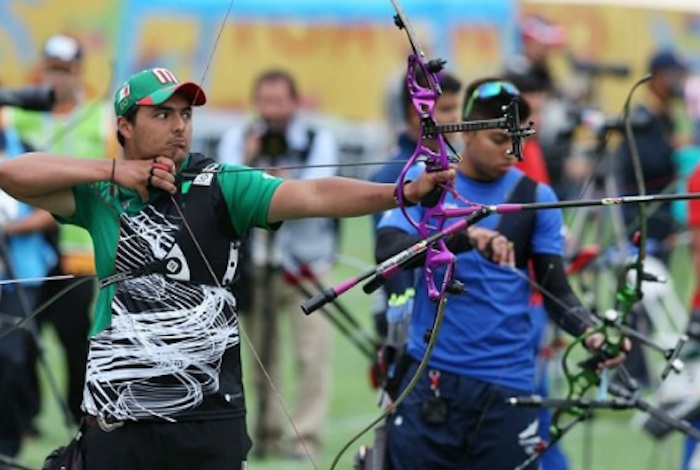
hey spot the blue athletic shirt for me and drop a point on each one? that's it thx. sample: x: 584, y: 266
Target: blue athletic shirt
x: 487, y: 331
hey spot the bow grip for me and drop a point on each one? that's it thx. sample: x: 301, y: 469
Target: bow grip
x: 319, y: 300
x: 432, y: 199
x: 601, y: 355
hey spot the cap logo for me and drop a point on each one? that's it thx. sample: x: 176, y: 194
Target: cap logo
x: 164, y: 75
x: 123, y: 93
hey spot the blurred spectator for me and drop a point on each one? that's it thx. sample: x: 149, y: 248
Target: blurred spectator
x: 693, y: 329
x: 539, y: 37
x: 279, y: 137
x: 692, y: 93
x: 80, y: 126
x: 534, y: 92
x: 531, y: 70
x: 24, y: 253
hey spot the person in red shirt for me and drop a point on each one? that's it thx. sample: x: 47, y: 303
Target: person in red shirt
x: 693, y: 328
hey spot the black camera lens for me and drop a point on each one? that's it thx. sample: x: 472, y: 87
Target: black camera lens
x: 31, y: 98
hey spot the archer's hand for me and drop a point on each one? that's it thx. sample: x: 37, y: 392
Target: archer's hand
x: 416, y: 190
x: 595, y: 344
x: 143, y: 175
x: 493, y: 245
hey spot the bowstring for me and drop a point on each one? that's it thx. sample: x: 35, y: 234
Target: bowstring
x: 45, y: 305
x: 243, y: 333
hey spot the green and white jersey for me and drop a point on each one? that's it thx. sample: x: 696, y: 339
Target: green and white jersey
x: 164, y: 346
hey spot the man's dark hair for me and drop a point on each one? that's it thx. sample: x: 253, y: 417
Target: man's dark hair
x: 448, y: 83
x: 129, y: 115
x: 276, y: 75
x: 492, y: 107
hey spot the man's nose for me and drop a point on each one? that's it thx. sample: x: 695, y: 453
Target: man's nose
x: 180, y: 122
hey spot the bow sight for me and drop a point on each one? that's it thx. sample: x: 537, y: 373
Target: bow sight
x: 510, y: 122
x: 423, y: 97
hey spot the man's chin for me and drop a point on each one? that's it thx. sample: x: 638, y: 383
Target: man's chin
x: 177, y: 156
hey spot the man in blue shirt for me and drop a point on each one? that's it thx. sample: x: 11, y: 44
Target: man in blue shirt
x: 457, y: 416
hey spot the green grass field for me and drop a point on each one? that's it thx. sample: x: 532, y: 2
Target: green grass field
x: 609, y: 441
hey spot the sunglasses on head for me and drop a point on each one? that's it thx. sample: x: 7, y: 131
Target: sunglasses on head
x: 489, y: 90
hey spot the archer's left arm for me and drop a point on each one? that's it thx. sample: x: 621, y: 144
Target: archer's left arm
x: 345, y: 197
x: 564, y: 307
x: 560, y: 301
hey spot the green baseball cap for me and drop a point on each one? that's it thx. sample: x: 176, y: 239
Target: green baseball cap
x: 152, y: 87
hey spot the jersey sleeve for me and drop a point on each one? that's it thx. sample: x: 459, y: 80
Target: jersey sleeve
x: 248, y: 194
x: 86, y: 204
x: 548, y: 237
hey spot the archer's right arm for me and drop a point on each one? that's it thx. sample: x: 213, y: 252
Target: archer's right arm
x: 45, y: 180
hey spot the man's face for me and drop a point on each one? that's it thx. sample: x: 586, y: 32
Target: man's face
x: 674, y: 81
x: 486, y: 156
x: 63, y: 77
x: 447, y: 108
x: 163, y: 130
x: 446, y: 112
x: 275, y: 103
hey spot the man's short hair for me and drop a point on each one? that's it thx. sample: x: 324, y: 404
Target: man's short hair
x: 486, y: 98
x: 275, y: 75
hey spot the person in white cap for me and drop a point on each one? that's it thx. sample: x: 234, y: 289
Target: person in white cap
x: 80, y: 125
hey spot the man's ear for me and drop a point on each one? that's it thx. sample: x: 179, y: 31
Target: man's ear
x: 124, y: 127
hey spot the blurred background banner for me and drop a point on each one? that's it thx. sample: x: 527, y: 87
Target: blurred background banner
x: 347, y: 55
x: 621, y: 32
x: 340, y: 50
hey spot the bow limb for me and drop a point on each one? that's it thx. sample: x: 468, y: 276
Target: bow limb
x: 424, y: 97
x: 47, y: 303
x: 626, y: 295
x: 641, y: 186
